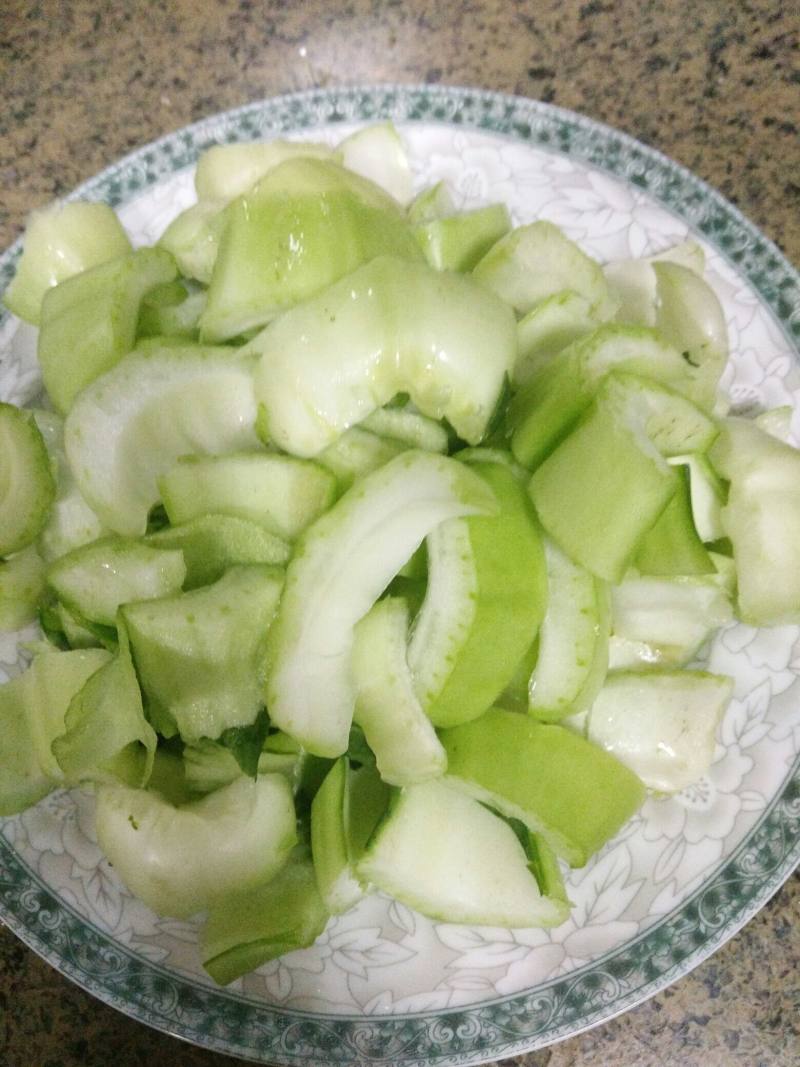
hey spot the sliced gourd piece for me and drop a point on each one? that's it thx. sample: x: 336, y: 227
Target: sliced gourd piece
x: 133, y: 424
x: 106, y: 736
x: 459, y: 241
x: 388, y: 710
x: 434, y: 202
x: 553, y: 325
x: 27, y: 487
x: 672, y: 545
x: 661, y: 724
x: 543, y: 412
x: 32, y: 710
x: 281, y: 493
x: 777, y: 422
x: 409, y: 427
x: 304, y: 225
x: 345, y: 811
x: 208, y: 765
x: 247, y: 929
x: 340, y: 567
x: 447, y: 856
x: 21, y: 588
x: 94, y: 580
x: 213, y: 543
x: 558, y: 784
x: 356, y: 453
x: 762, y: 520
x: 484, y: 602
x: 171, y: 310
x: 606, y: 484
x: 225, y: 171
x: 573, y: 641
x: 390, y: 327
x: 377, y: 152
x: 673, y: 616
x: 88, y: 322
x: 59, y: 242
x: 707, y: 495
x: 193, y: 237
x: 199, y: 656
x: 535, y: 261
x: 181, y: 860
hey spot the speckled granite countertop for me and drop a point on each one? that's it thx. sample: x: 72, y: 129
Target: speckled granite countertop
x: 714, y: 85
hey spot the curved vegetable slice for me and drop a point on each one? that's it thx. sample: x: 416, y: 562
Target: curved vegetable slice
x: 247, y: 929
x: 434, y: 202
x: 307, y: 223
x: 672, y: 545
x: 199, y: 655
x: 390, y: 327
x: 573, y: 641
x: 193, y: 237
x: 553, y: 325
x: 27, y: 487
x: 561, y: 786
x: 457, y: 242
x: 661, y: 724
x: 377, y: 152
x: 397, y: 729
x: 21, y: 587
x: 225, y: 171
x: 340, y: 567
x: 180, y: 860
x: 447, y: 856
x: 485, y: 599
x: 59, y: 242
x: 133, y: 423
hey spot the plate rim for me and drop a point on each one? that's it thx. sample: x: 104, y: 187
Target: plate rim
x: 496, y: 1027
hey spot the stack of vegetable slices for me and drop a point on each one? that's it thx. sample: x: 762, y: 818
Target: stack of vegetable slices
x: 371, y: 543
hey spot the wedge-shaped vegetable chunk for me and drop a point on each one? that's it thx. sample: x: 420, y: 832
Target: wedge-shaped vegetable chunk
x: 345, y: 811
x: 181, y: 860
x: 133, y: 424
x: 388, y: 710
x: 94, y: 580
x: 340, y: 567
x: 487, y: 588
x: 307, y: 223
x: 457, y: 242
x: 281, y: 493
x: 573, y: 641
x: 208, y: 765
x: 199, y: 656
x: 390, y: 327
x: 27, y: 487
x: 59, y: 242
x: 21, y: 587
x: 672, y: 545
x: 192, y: 238
x: 555, y: 324
x: 434, y: 202
x: 561, y: 786
x: 661, y: 724
x: 213, y: 543
x: 607, y: 483
x: 408, y: 427
x: 762, y: 519
x: 107, y: 737
x: 247, y: 929
x: 32, y: 710
x: 377, y: 152
x: 225, y: 171
x: 356, y: 453
x: 172, y: 310
x: 88, y: 322
x: 706, y: 493
x: 533, y: 262
x: 447, y: 856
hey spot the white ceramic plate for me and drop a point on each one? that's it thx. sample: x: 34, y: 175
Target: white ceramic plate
x: 383, y: 984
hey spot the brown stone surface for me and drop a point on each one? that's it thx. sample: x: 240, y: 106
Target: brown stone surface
x: 715, y: 85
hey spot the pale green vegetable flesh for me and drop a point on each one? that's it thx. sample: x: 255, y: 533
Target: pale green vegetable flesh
x: 432, y: 203
x: 388, y: 710
x: 561, y: 786
x: 88, y: 322
x: 390, y: 327
x: 553, y: 325
x: 22, y: 584
x: 281, y: 493
x: 445, y: 855
x: 307, y: 223
x: 459, y: 242
x: 171, y: 310
x: 180, y: 860
x: 200, y: 655
x: 672, y: 545
x: 226, y: 171
x: 94, y: 580
x: 408, y: 427
x: 485, y: 598
x: 340, y: 567
x: 357, y: 452
x: 661, y: 724
x: 377, y: 153
x: 60, y: 242
x: 192, y: 239
x: 27, y: 487
x: 573, y: 641
x: 133, y: 423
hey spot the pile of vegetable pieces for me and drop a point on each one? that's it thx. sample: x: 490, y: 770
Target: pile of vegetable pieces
x: 370, y: 541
